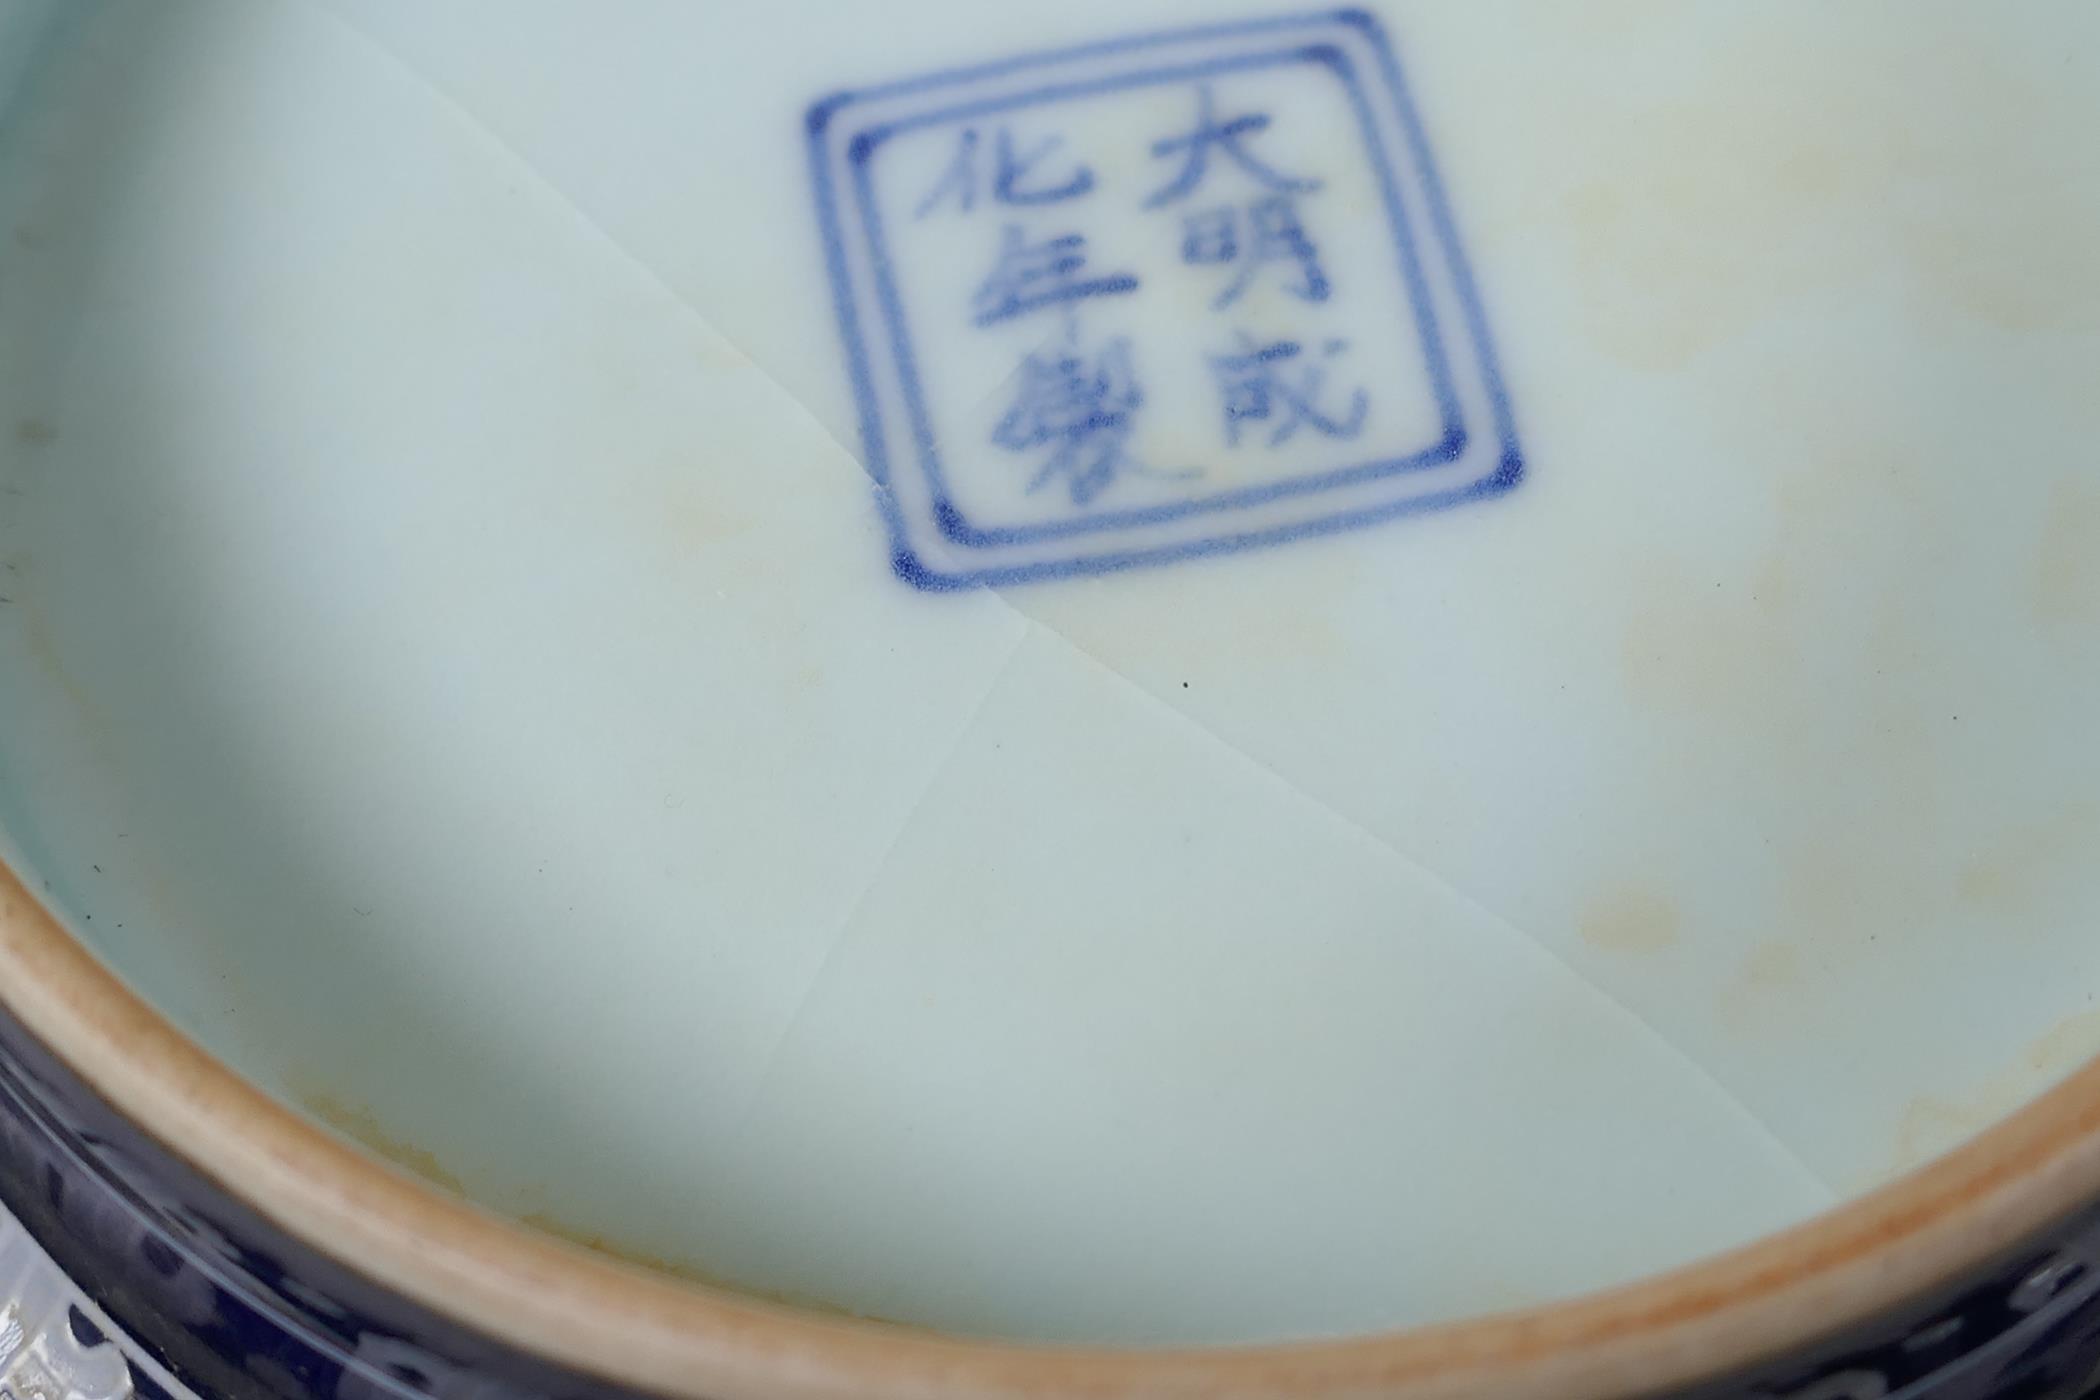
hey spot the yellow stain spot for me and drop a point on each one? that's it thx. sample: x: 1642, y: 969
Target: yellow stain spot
x: 1773, y: 965
x: 1776, y: 174
x: 2067, y: 565
x: 44, y: 652
x: 362, y: 1126
x: 2067, y: 1046
x: 1632, y: 920
x: 1934, y: 1124
x: 1765, y: 987
x: 599, y: 1244
x: 2023, y: 867
x: 1931, y: 1126
x: 694, y: 520
x: 1767, y: 982
x: 723, y: 357
x: 1725, y: 655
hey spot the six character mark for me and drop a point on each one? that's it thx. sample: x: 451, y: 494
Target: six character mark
x: 1076, y: 412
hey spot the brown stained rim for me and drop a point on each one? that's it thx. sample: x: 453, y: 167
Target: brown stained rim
x: 655, y: 1333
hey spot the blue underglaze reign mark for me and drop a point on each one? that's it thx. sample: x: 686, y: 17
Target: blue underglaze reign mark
x: 1239, y: 214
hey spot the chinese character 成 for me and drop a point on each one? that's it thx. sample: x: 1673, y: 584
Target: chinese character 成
x: 1229, y: 139
x: 1014, y: 177
x: 1031, y: 274
x: 1080, y: 410
x: 1279, y: 385
x: 1274, y: 235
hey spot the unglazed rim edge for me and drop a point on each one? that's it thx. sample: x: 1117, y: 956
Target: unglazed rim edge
x: 582, y: 1310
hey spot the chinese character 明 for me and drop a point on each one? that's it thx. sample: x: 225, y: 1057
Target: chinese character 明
x: 1031, y: 275
x: 1225, y: 138
x: 1211, y: 237
x: 1082, y: 411
x: 1277, y: 384
x: 1276, y: 235
x: 1014, y: 179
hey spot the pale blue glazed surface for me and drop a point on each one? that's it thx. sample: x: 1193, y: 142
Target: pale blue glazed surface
x: 455, y: 660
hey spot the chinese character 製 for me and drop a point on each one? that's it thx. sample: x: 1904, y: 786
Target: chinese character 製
x: 1279, y: 385
x: 1274, y: 236
x: 1228, y: 138
x: 1031, y: 274
x: 1014, y: 177
x: 1082, y: 410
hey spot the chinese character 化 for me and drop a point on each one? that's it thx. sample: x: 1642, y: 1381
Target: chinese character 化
x: 1034, y: 274
x: 1278, y: 385
x: 1227, y: 138
x: 1012, y: 173
x: 1274, y: 234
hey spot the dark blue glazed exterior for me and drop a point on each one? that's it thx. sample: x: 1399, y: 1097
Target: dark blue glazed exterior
x: 232, y: 1306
